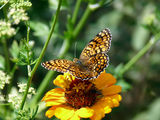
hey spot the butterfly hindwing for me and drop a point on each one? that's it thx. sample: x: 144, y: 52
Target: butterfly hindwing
x: 98, y: 63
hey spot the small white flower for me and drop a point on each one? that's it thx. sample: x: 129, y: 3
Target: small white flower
x: 6, y: 29
x: 15, y: 98
x: 4, y: 79
x: 2, y: 98
x: 3, y: 2
x: 22, y: 89
x: 94, y: 6
x: 17, y: 15
x: 31, y: 43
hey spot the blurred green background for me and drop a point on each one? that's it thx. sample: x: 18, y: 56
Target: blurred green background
x: 132, y: 24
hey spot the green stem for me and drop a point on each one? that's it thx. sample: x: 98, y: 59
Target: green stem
x: 5, y: 12
x: 6, y: 55
x: 75, y: 13
x: 140, y: 54
x: 28, y: 60
x: 82, y: 22
x: 4, y: 5
x: 28, y: 31
x: 41, y: 55
x: 11, y: 80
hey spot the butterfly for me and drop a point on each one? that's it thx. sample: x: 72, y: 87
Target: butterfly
x: 92, y: 61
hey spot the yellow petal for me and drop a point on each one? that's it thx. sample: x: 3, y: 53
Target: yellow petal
x: 64, y: 112
x: 98, y: 113
x: 57, y: 92
x: 50, y: 112
x: 54, y: 97
x: 85, y: 112
x: 75, y: 117
x: 104, y: 80
x: 55, y: 102
x: 114, y: 89
x: 107, y: 109
x: 115, y: 102
x: 60, y: 81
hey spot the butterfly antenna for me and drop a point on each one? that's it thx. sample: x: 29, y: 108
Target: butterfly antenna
x: 75, y: 49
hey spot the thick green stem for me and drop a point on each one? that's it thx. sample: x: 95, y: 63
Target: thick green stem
x: 82, y: 22
x: 75, y: 13
x: 42, y: 54
x: 140, y: 54
x: 6, y: 55
x: 11, y: 80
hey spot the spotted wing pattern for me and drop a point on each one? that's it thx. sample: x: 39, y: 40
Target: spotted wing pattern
x: 93, y: 59
x: 97, y: 64
x: 100, y: 44
x: 62, y: 65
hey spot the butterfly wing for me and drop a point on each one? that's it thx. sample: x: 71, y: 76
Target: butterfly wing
x: 96, y: 64
x: 100, y: 44
x: 62, y: 65
x: 94, y: 54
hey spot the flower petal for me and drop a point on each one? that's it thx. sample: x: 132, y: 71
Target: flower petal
x: 60, y: 81
x: 107, y: 109
x: 114, y: 89
x: 98, y: 113
x: 75, y: 117
x: 64, y: 112
x: 54, y: 97
x: 116, y: 99
x: 63, y: 80
x: 104, y: 80
x: 50, y: 112
x: 57, y: 92
x: 85, y: 112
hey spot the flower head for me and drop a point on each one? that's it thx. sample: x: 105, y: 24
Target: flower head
x: 4, y: 79
x: 6, y: 29
x: 82, y: 98
x: 22, y: 88
x: 17, y: 15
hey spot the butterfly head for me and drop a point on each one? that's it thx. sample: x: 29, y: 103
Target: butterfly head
x: 77, y: 61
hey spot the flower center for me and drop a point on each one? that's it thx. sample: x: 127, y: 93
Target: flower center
x: 81, y: 93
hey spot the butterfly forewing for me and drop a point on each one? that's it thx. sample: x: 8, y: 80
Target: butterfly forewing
x: 100, y: 44
x: 60, y: 65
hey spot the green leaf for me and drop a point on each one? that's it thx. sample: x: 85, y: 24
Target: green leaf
x: 117, y: 71
x: 125, y: 86
x: 14, y: 50
x: 41, y: 29
x: 25, y: 54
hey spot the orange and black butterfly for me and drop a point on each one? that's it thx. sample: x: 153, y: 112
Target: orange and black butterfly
x: 93, y: 59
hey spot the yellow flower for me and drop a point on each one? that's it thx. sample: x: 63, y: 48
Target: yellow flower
x: 82, y: 98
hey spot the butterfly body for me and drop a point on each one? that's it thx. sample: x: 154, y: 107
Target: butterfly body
x: 93, y: 59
